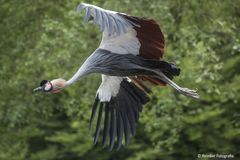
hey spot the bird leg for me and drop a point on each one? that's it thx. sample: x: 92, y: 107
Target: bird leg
x: 184, y: 91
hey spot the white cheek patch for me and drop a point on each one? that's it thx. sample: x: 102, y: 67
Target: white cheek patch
x: 47, y: 87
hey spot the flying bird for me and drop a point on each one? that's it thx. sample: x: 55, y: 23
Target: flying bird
x: 129, y: 59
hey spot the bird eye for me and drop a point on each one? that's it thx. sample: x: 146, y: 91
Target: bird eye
x: 43, y: 82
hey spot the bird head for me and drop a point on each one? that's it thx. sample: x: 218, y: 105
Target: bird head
x: 53, y: 86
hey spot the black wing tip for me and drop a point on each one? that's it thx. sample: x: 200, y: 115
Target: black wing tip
x: 99, y: 120
x: 112, y: 127
x: 120, y: 117
x: 94, y: 108
x: 106, y: 125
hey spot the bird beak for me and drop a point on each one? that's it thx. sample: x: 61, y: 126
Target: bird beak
x: 37, y: 89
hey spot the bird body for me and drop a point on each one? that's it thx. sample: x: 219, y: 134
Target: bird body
x: 129, y: 60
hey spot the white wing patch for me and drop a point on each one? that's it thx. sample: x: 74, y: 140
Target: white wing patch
x: 109, y: 87
x: 126, y: 43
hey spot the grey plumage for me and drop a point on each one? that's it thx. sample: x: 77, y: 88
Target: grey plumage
x: 96, y: 15
x: 108, y: 63
x: 88, y: 14
x: 108, y: 21
x: 105, y: 62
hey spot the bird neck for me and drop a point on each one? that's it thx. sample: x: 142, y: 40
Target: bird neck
x: 82, y: 71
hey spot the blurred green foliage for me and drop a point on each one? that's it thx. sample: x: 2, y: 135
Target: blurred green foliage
x: 47, y: 39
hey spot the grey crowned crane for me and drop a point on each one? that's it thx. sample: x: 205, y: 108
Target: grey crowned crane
x: 129, y: 60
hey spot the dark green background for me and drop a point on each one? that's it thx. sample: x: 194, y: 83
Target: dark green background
x: 43, y: 39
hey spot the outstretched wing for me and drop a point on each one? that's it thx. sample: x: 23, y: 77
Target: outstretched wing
x: 120, y: 101
x: 126, y: 34
x: 109, y: 21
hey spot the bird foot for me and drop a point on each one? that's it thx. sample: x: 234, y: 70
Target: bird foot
x: 189, y: 92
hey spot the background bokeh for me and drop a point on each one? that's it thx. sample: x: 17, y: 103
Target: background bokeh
x: 43, y: 39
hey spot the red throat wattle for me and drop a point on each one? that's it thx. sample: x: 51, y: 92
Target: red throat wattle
x: 56, y: 91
